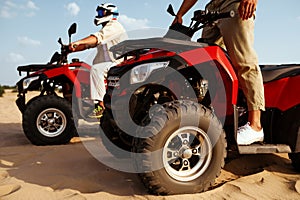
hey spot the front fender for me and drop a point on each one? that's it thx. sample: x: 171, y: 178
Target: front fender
x: 76, y: 73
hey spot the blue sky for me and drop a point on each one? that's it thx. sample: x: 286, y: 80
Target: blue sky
x: 30, y: 28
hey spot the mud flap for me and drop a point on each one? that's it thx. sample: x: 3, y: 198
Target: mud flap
x: 21, y: 103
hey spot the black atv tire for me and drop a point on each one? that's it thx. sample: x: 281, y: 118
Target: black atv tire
x: 294, y: 129
x: 179, y: 167
x: 48, y: 120
x: 295, y: 158
x: 112, y: 138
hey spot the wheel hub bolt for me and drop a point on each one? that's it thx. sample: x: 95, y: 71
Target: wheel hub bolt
x: 187, y: 153
x: 185, y: 162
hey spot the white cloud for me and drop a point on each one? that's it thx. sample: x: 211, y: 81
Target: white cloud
x: 6, y: 13
x: 10, y: 4
x: 132, y: 23
x: 30, y: 14
x: 31, y: 5
x: 15, y: 58
x: 73, y: 8
x: 25, y: 41
x: 9, y: 9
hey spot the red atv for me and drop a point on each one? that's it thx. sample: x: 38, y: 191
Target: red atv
x: 48, y: 118
x: 175, y: 106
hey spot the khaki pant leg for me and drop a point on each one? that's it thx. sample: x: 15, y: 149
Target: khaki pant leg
x: 212, y: 34
x: 238, y: 36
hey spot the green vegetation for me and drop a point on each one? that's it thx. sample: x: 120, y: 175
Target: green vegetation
x: 1, y: 90
x: 4, y: 87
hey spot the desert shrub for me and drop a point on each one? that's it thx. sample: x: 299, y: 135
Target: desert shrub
x: 7, y: 87
x: 1, y: 91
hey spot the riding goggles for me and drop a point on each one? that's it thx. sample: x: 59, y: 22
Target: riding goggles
x: 101, y: 12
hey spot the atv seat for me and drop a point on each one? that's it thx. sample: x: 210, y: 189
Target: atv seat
x: 131, y: 47
x: 275, y: 72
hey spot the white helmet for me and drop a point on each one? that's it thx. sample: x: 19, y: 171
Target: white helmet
x: 106, y: 12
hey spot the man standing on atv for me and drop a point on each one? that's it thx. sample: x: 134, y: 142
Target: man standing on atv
x: 237, y: 34
x: 112, y: 33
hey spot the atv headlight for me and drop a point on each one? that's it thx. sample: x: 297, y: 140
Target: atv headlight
x: 141, y: 72
x: 28, y: 81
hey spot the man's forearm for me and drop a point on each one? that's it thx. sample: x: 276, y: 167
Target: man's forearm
x: 185, y: 6
x: 89, y: 42
x: 83, y: 44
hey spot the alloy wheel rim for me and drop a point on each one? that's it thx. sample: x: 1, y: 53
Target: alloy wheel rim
x: 187, y: 153
x: 51, y: 122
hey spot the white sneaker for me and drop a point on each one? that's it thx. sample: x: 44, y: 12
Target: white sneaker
x: 246, y: 135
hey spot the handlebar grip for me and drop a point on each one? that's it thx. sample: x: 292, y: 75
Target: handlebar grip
x: 229, y: 14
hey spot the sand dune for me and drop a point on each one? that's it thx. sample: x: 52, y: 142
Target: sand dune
x: 71, y: 172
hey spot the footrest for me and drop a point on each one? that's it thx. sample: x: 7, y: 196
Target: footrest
x: 264, y: 148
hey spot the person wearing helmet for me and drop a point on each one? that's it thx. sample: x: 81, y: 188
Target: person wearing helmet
x: 111, y: 33
x: 237, y: 34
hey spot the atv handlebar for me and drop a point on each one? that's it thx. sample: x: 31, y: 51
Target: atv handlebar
x: 207, y: 18
x: 200, y: 19
x: 62, y: 57
x: 210, y: 17
x: 229, y: 14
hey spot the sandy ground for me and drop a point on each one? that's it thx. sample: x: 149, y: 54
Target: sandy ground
x: 72, y: 172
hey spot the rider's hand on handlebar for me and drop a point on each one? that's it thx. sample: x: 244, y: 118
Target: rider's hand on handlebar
x: 72, y: 46
x: 247, y: 8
